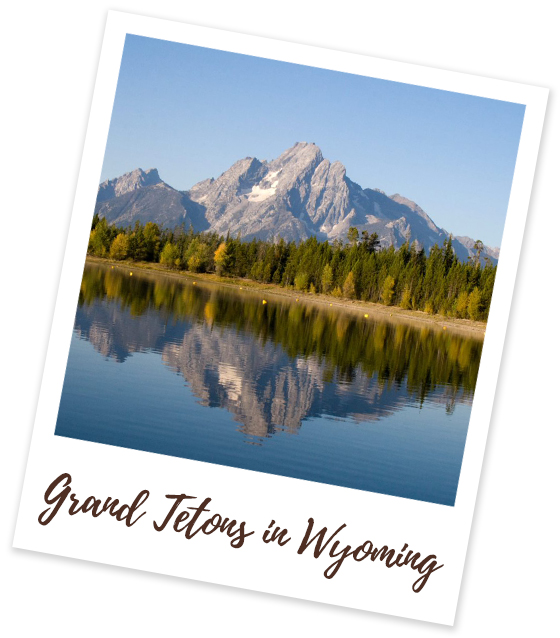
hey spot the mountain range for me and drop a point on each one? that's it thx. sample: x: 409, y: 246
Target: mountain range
x: 298, y: 195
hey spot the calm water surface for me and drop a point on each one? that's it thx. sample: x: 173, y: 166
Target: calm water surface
x: 211, y: 373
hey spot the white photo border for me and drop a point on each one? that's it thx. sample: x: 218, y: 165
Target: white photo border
x: 105, y: 470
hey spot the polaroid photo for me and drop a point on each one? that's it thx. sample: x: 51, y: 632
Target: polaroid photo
x: 280, y: 319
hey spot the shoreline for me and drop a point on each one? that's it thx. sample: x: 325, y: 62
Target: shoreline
x: 391, y: 313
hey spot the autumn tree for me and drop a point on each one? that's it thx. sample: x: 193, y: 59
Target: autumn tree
x: 301, y: 281
x: 327, y: 278
x: 349, y: 287
x: 474, y: 304
x: 223, y: 258
x: 100, y: 239
x: 434, y: 281
x: 199, y: 256
x: 170, y: 256
x: 388, y: 290
x: 462, y: 304
x: 119, y: 247
x: 406, y: 298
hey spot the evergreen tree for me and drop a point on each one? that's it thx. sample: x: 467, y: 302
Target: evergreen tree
x: 436, y: 282
x: 353, y: 235
x: 152, y: 235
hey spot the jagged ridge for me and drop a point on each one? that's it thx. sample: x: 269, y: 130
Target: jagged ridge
x: 298, y: 195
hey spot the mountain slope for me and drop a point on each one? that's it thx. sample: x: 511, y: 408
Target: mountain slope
x: 143, y: 196
x: 298, y: 195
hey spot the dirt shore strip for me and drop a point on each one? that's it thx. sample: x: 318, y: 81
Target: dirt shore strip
x: 373, y: 310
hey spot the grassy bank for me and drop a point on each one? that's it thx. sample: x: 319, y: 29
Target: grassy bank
x: 394, y: 313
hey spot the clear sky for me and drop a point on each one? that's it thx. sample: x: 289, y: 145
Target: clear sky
x: 192, y: 112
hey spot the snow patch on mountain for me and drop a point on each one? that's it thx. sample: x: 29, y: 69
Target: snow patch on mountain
x: 295, y: 196
x: 259, y: 194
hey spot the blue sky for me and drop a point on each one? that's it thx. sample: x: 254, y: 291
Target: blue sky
x: 191, y: 112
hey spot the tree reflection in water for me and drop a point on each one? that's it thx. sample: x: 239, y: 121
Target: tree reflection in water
x: 273, y: 365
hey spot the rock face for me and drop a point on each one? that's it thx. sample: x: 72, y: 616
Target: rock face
x: 127, y: 183
x: 298, y: 195
x: 144, y: 196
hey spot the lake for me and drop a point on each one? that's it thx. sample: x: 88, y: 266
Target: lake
x: 184, y: 368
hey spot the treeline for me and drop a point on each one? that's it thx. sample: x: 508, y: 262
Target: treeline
x: 407, y: 277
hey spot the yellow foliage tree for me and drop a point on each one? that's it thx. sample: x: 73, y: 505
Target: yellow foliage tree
x: 462, y: 304
x: 327, y: 278
x: 119, y: 247
x: 300, y: 281
x: 220, y: 257
x: 349, y: 287
x: 170, y: 256
x: 406, y: 298
x: 388, y: 291
x: 474, y: 304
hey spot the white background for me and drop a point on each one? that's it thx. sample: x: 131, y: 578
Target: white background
x: 51, y: 53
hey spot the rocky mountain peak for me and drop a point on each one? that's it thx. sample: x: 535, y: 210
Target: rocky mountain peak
x: 128, y: 182
x: 300, y: 156
x: 242, y: 168
x: 298, y: 195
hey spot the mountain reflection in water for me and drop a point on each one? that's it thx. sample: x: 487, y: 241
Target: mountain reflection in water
x: 272, y: 366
